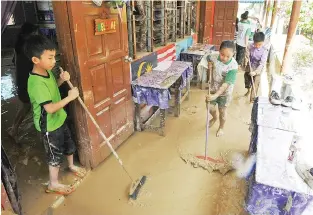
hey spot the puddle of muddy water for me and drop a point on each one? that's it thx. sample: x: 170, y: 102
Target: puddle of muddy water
x: 8, y: 89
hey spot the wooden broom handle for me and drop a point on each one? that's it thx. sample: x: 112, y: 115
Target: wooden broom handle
x: 252, y: 81
x: 95, y: 123
x: 210, y: 66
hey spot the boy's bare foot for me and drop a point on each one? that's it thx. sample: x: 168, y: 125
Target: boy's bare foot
x: 78, y: 171
x: 220, y: 132
x: 212, y: 122
x: 61, y: 189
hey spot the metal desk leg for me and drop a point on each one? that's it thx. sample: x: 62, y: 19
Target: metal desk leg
x: 188, y: 89
x: 162, y: 122
x: 203, y: 84
x: 177, y: 100
x: 198, y: 79
x: 137, y: 117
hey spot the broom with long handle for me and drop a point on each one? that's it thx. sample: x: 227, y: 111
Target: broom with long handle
x: 205, y: 157
x: 136, y: 185
x: 252, y: 81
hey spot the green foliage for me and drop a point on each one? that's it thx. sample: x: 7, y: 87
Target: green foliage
x: 303, y: 58
x: 116, y: 3
x: 306, y: 15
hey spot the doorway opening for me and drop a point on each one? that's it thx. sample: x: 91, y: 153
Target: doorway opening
x: 26, y: 151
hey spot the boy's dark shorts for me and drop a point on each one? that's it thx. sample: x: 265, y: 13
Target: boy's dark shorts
x: 221, y: 101
x: 58, y: 143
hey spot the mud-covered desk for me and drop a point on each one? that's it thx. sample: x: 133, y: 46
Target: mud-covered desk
x: 274, y: 187
x: 194, y: 55
x: 153, y: 89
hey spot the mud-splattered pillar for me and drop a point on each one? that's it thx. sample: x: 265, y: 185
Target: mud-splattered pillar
x: 295, y: 13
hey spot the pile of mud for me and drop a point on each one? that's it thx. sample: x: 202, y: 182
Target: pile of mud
x: 227, y: 164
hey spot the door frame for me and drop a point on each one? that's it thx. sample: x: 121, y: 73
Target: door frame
x: 203, y: 17
x: 90, y: 154
x: 69, y: 61
x: 201, y: 12
x: 234, y: 21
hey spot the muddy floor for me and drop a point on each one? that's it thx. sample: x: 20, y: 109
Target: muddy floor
x: 173, y: 187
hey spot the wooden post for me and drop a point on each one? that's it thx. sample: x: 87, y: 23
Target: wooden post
x: 69, y: 61
x: 268, y: 7
x: 264, y: 10
x: 132, y: 3
x: 130, y: 30
x: 188, y: 27
x: 165, y: 22
x: 150, y: 25
x: 295, y: 13
x: 274, y: 12
x: 198, y: 19
x: 164, y: 35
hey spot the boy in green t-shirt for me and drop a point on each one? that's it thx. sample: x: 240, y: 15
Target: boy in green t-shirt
x: 49, y: 115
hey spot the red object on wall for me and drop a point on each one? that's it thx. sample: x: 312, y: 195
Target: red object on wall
x: 167, y: 53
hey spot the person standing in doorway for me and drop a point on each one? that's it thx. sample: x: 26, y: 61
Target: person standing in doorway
x: 22, y: 65
x: 244, y: 31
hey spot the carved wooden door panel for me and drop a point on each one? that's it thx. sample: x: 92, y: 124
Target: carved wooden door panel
x: 224, y: 21
x: 104, y: 74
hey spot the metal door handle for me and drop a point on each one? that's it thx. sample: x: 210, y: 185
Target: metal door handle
x: 128, y: 59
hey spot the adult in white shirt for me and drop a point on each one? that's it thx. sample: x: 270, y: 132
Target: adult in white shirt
x: 244, y: 31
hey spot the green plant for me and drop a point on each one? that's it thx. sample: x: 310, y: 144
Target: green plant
x: 303, y: 58
x: 116, y: 3
x: 305, y: 20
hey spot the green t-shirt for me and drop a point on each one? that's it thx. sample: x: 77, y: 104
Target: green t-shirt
x: 230, y: 77
x: 44, y: 90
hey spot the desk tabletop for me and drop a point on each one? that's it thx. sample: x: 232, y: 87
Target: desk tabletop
x: 164, y: 78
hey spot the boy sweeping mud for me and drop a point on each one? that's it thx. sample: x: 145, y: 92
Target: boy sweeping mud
x: 257, y: 54
x: 223, y: 78
x: 49, y: 115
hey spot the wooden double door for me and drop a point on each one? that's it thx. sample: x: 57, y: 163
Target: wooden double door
x: 217, y: 21
x: 98, y: 67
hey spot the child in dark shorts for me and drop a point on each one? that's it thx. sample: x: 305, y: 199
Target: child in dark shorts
x: 48, y: 112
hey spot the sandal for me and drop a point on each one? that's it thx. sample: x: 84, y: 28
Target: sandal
x: 78, y: 171
x: 66, y: 190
